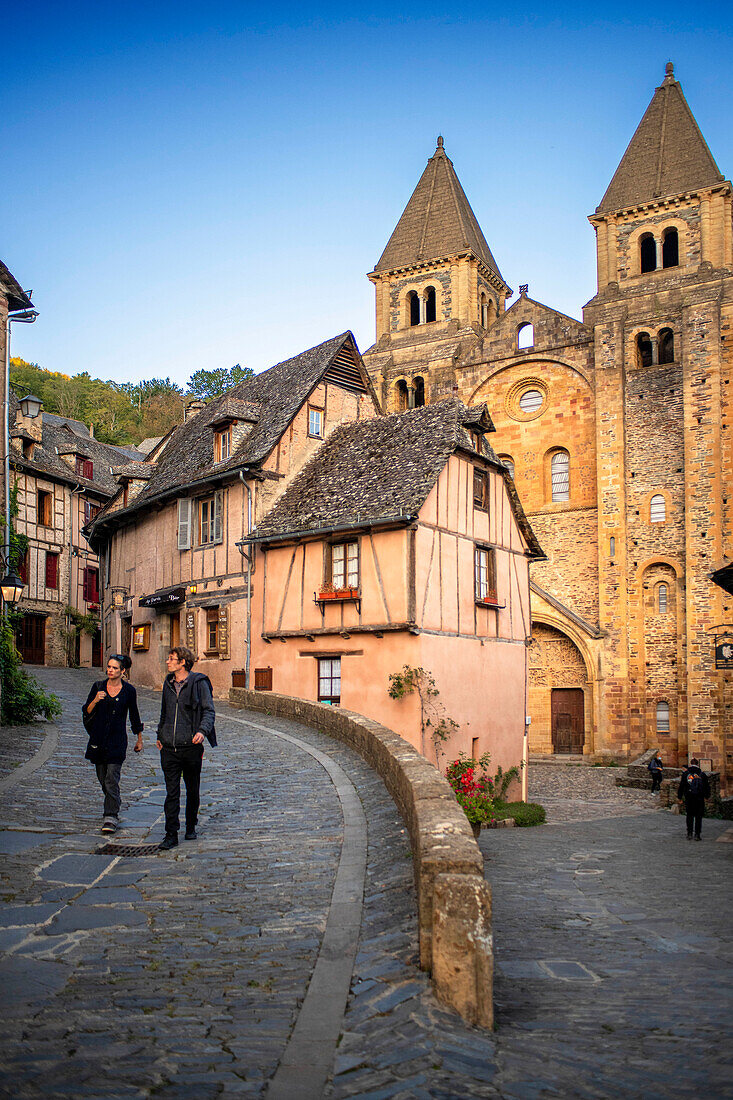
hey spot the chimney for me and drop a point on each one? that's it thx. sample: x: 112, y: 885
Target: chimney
x: 192, y: 408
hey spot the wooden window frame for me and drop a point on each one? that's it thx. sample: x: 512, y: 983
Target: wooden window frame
x: 223, y: 444
x: 484, y: 576
x: 44, y: 508
x: 91, y: 584
x: 52, y: 570
x: 342, y: 578
x: 212, y: 645
x: 326, y: 677
x: 316, y: 410
x: 210, y: 519
x: 90, y: 510
x: 480, y: 488
x: 84, y: 467
x: 141, y: 636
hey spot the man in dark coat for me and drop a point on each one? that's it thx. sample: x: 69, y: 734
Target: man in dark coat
x: 186, y: 717
x: 694, y: 788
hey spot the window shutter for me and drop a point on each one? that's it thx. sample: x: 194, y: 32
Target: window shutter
x: 87, y: 571
x: 224, y: 633
x: 88, y: 469
x: 52, y: 572
x: 184, y: 523
x: 218, y: 510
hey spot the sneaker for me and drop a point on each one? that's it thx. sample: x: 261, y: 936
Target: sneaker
x: 109, y: 825
x: 170, y: 840
x: 191, y: 834
x: 698, y: 838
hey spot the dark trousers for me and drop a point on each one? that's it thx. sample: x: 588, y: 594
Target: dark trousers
x: 656, y: 781
x: 694, y: 808
x: 184, y: 762
x: 109, y: 780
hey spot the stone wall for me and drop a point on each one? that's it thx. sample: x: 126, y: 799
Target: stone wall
x: 454, y: 899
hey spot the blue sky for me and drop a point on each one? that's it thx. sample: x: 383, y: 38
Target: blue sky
x: 189, y: 186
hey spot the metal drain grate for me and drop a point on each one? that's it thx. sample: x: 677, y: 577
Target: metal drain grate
x: 112, y: 849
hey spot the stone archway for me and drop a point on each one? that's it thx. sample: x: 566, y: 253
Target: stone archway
x: 558, y: 693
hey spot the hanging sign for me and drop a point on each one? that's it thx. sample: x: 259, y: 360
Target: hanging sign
x: 724, y: 651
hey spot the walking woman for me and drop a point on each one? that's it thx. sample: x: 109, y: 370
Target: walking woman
x: 105, y: 715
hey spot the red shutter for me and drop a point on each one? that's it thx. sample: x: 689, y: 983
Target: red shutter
x: 23, y: 568
x: 87, y: 571
x: 52, y: 570
x: 88, y: 469
x: 93, y: 586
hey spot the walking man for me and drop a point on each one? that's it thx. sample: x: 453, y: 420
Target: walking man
x: 694, y: 788
x: 186, y: 717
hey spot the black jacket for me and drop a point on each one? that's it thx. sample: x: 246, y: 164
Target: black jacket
x: 107, y: 724
x: 683, y: 791
x: 186, y: 713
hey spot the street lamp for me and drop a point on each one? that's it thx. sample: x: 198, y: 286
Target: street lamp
x: 30, y: 406
x: 12, y: 588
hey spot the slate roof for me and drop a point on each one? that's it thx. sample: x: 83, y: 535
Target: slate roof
x: 666, y: 156
x: 62, y: 436
x: 438, y: 221
x: 378, y: 471
x: 17, y: 297
x: 275, y: 394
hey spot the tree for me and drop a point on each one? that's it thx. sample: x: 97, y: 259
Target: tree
x: 213, y: 383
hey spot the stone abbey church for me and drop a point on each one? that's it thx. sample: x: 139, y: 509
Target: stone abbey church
x: 616, y: 429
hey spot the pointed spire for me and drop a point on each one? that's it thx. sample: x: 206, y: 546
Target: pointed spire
x: 437, y: 222
x: 666, y: 156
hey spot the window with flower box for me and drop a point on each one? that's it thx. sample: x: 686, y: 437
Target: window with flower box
x: 484, y: 562
x: 342, y: 570
x: 329, y: 680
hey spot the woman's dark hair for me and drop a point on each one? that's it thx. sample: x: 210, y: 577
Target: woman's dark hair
x: 122, y: 660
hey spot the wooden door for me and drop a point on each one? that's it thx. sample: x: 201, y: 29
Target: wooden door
x: 568, y: 720
x: 175, y: 630
x: 97, y: 649
x: 31, y: 640
x: 125, y: 637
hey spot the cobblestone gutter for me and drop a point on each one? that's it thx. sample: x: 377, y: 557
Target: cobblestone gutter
x: 454, y: 899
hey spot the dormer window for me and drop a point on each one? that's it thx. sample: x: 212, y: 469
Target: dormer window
x: 480, y: 489
x: 223, y: 443
x: 84, y: 467
x: 29, y: 446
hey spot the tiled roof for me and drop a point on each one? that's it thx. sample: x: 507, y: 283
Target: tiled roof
x: 438, y: 221
x: 59, y: 438
x: 276, y: 395
x: 375, y: 471
x: 666, y: 156
x: 231, y: 409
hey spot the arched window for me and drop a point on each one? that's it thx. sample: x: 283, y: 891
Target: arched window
x: 644, y: 351
x: 508, y: 462
x: 657, y: 509
x: 662, y: 717
x: 483, y: 310
x: 670, y: 248
x: 560, y: 475
x: 666, y: 346
x: 430, y: 310
x: 662, y: 593
x: 419, y: 384
x: 648, y: 253
x: 413, y: 303
x: 525, y: 336
x: 531, y: 400
x: 401, y: 401
x: 612, y: 546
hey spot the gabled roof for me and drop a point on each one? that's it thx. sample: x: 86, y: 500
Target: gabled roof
x: 437, y: 222
x: 379, y: 471
x: 274, y: 397
x: 666, y: 156
x: 11, y: 288
x: 59, y: 437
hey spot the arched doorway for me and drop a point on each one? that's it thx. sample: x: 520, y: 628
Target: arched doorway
x: 558, y: 683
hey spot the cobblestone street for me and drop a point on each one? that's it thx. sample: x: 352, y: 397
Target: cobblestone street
x: 185, y: 973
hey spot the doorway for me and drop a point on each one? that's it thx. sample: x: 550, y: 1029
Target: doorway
x: 31, y: 640
x: 97, y: 649
x: 568, y: 720
x: 175, y: 634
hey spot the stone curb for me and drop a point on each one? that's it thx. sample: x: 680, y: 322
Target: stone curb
x: 454, y: 915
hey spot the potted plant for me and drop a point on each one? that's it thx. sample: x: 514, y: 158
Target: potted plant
x: 473, y: 789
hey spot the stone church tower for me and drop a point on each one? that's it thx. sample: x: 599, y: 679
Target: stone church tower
x: 617, y: 432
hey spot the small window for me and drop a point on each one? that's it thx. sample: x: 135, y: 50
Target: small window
x: 84, y: 467
x: 413, y: 307
x: 531, y: 400
x: 662, y: 592
x: 666, y: 346
x: 480, y: 489
x: 52, y: 569
x: 662, y: 717
x: 210, y: 520
x: 90, y: 510
x: 315, y: 422
x: 419, y: 386
x: 670, y: 248
x: 483, y: 311
x: 329, y: 680
x: 29, y: 447
x: 430, y: 305
x: 647, y: 253
x: 212, y: 629
x: 560, y: 474
x: 644, y: 354
x: 402, y: 401
x: 525, y: 336
x: 44, y: 506
x: 344, y: 565
x: 223, y: 444
x: 657, y: 509
x: 508, y: 462
x: 612, y: 546
x: 91, y: 585
x: 484, y: 561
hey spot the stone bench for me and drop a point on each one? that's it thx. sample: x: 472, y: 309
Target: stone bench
x: 453, y: 897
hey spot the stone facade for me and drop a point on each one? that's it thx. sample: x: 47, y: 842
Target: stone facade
x: 616, y: 430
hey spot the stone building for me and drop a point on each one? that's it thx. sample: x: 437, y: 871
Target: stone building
x: 615, y: 429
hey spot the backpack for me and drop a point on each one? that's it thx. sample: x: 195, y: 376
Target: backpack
x: 197, y: 708
x: 695, y: 785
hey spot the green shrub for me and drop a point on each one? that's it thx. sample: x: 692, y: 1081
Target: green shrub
x: 23, y: 698
x: 524, y: 813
